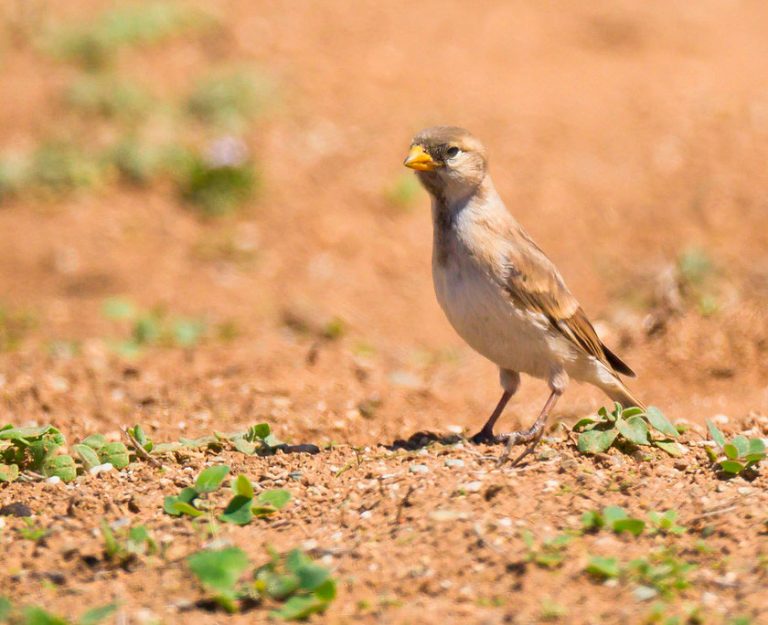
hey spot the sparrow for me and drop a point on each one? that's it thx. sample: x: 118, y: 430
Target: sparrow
x: 500, y: 291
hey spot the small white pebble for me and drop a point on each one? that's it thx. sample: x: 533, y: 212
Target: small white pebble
x: 454, y: 429
x: 309, y: 545
x: 54, y: 479
x: 418, y: 468
x: 505, y: 521
x: 2, y: 522
x: 744, y: 490
x: 720, y: 418
x: 472, y: 487
x: 366, y: 514
x: 454, y: 462
x: 101, y: 468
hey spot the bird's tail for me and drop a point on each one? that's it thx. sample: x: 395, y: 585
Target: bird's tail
x: 618, y: 391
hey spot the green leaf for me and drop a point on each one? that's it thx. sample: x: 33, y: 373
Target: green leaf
x: 164, y: 448
x: 194, y: 443
x: 631, y: 412
x: 731, y: 451
x: 260, y: 430
x: 299, y: 608
x: 591, y: 520
x: 670, y: 447
x: 241, y: 485
x: 116, y: 454
x: 5, y: 609
x: 37, y: 616
x: 277, y: 498
x: 716, y: 434
x: 741, y: 444
x: 277, y: 586
x: 96, y: 615
x: 187, y: 495
x: 295, y: 559
x: 238, y: 511
x: 311, y: 576
x: 210, y: 479
x: 9, y: 472
x: 604, y: 568
x: 23, y: 434
x: 633, y: 429
x: 62, y: 466
x: 118, y: 308
x: 596, y: 441
x: 182, y: 507
x: 326, y: 591
x: 611, y: 514
x: 582, y: 424
x: 243, y: 446
x: 660, y: 422
x: 633, y: 526
x: 220, y: 569
x: 94, y: 441
x: 88, y: 456
x: 731, y: 466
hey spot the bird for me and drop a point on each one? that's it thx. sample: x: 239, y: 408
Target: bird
x: 500, y: 291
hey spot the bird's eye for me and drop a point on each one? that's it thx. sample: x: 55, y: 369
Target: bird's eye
x: 452, y: 151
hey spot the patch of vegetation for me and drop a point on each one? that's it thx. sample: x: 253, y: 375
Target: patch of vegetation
x: 402, y: 192
x: 661, y: 573
x: 739, y: 455
x: 548, y: 554
x: 14, y: 324
x: 616, y: 519
x: 107, y: 96
x: 37, y: 451
x: 296, y: 586
x: 626, y: 427
x: 125, y: 545
x: 95, y: 46
x: 35, y: 615
x: 696, y: 271
x: 152, y: 327
x: 241, y: 509
x: 219, y: 182
x: 229, y: 99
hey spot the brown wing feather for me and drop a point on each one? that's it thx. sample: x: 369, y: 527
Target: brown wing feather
x: 534, y: 282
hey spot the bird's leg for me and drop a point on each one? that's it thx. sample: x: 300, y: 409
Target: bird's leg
x: 510, y: 381
x: 558, y: 382
x: 486, y: 435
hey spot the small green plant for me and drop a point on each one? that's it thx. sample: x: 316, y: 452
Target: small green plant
x: 241, y: 509
x: 34, y: 449
x: 154, y: 327
x: 550, y: 553
x: 14, y: 324
x: 108, y: 97
x: 739, y: 455
x: 217, y: 183
x: 403, y: 191
x: 614, y: 518
x: 661, y: 573
x: 696, y: 271
x: 229, y: 99
x: 129, y: 544
x: 626, y: 426
x: 32, y: 531
x: 37, y: 450
x: 293, y: 581
x: 665, y: 523
x: 94, y: 46
x: 59, y: 167
x: 35, y: 615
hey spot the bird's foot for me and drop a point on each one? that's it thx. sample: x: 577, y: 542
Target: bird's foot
x: 487, y: 437
x: 532, y: 436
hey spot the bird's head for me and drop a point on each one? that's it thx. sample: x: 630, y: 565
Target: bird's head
x: 450, y: 162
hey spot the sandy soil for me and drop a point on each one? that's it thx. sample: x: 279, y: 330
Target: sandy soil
x: 621, y: 136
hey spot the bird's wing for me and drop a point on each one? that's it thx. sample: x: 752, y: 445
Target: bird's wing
x: 534, y: 283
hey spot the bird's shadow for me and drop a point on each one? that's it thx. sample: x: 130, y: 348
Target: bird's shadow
x: 422, y: 439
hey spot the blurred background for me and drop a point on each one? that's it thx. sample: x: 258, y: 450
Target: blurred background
x: 204, y: 203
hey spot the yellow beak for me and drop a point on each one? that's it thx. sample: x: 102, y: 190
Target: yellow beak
x: 419, y: 159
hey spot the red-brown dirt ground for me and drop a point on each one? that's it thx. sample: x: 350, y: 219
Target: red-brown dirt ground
x: 624, y: 136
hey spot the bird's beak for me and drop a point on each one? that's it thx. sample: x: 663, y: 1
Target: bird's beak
x: 420, y: 160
